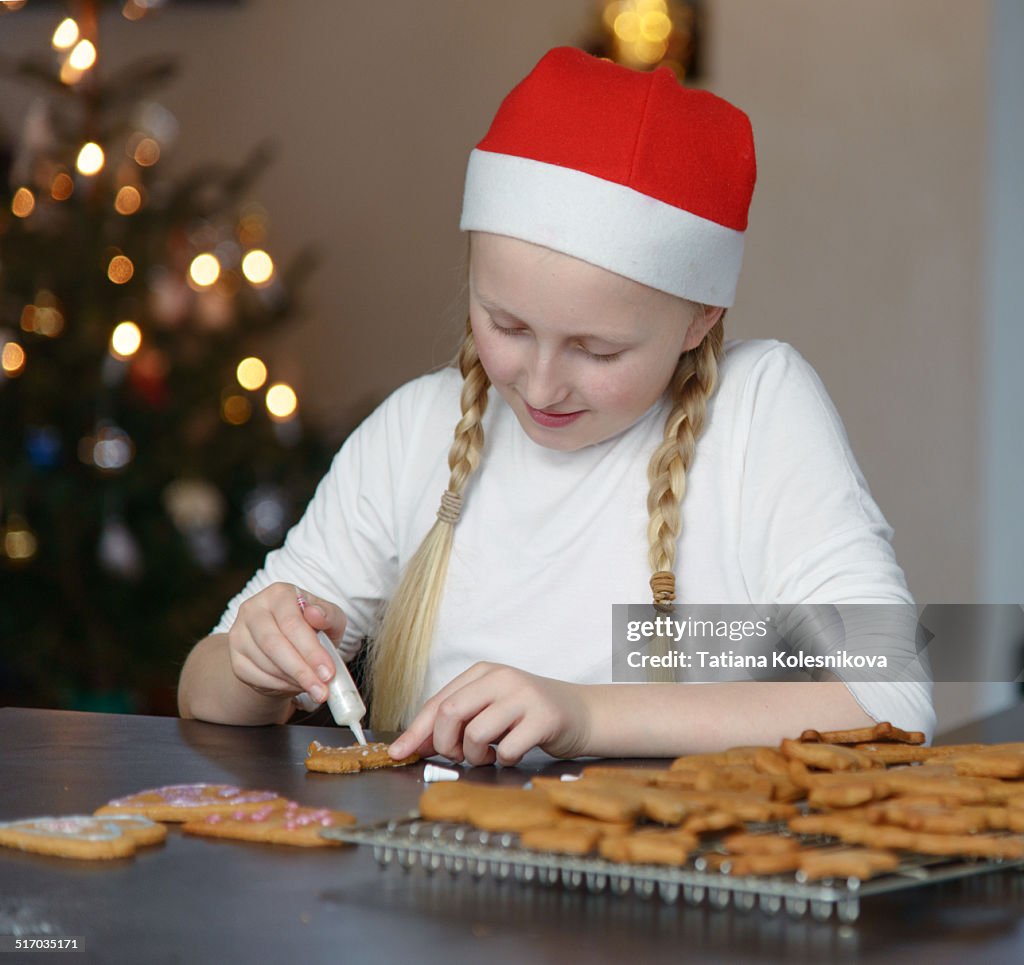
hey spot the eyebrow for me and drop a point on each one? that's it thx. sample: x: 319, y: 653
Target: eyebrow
x: 498, y: 310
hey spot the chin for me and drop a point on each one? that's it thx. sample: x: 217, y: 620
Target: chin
x: 554, y: 439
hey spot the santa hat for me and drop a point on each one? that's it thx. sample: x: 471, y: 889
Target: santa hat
x: 626, y: 170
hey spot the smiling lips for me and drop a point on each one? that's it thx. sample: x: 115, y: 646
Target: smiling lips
x: 552, y: 420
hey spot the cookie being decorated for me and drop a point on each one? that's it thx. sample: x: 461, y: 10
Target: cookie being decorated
x: 82, y: 836
x: 293, y: 824
x: 352, y: 759
x: 186, y: 802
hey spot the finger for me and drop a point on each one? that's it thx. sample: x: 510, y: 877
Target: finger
x: 321, y: 614
x: 268, y: 684
x: 457, y: 710
x: 486, y: 729
x: 270, y: 644
x: 417, y: 737
x: 289, y: 618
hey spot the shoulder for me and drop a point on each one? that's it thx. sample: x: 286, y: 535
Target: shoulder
x: 416, y: 405
x: 752, y: 368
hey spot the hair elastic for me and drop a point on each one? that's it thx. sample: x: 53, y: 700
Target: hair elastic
x: 451, y: 507
x: 663, y: 586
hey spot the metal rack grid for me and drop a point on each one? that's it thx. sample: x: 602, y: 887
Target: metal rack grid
x: 461, y: 849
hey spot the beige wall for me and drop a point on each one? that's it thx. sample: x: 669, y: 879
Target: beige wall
x: 865, y: 232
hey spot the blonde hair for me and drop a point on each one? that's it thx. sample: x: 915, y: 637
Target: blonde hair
x: 397, y: 659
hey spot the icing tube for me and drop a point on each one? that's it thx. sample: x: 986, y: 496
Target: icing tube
x: 343, y: 698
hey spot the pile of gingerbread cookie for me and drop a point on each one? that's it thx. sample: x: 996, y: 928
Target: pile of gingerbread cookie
x: 122, y: 826
x: 838, y: 804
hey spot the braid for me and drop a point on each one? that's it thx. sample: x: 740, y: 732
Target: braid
x: 398, y: 657
x: 692, y: 384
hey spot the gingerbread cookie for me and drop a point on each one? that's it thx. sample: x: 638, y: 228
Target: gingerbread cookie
x: 512, y: 809
x: 185, y: 802
x: 561, y: 839
x: 649, y: 846
x: 83, y: 836
x: 352, y: 759
x: 883, y: 731
x: 293, y: 824
x: 859, y: 863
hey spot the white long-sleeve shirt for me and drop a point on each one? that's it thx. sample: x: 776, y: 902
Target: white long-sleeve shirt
x: 776, y: 510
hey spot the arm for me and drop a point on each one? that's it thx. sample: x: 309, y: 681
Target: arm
x: 271, y: 653
x: 668, y: 720
x: 209, y: 689
x: 497, y: 713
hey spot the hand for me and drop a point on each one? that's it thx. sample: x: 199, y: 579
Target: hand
x: 273, y: 645
x: 496, y: 713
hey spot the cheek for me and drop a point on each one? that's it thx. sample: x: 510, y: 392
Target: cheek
x: 637, y: 387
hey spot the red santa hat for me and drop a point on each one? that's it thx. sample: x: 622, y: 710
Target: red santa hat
x: 626, y: 170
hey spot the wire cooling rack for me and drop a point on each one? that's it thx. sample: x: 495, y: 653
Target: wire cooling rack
x: 461, y: 849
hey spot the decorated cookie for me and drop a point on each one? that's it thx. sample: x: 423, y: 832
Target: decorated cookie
x: 186, y: 802
x: 82, y: 835
x: 292, y: 824
x: 352, y: 759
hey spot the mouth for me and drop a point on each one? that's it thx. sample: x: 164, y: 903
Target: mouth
x: 552, y: 420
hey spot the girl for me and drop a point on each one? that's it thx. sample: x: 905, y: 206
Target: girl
x: 606, y: 211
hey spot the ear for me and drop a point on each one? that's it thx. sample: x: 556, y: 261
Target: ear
x: 706, y: 320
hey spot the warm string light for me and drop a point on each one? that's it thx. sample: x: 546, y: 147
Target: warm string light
x: 281, y: 401
x: 12, y: 359
x: 128, y: 200
x: 204, y: 270
x: 125, y: 340
x: 43, y: 316
x: 120, y: 270
x: 258, y: 267
x: 62, y: 187
x: 251, y: 373
x: 90, y: 159
x: 66, y: 34
x: 19, y: 542
x: 23, y: 203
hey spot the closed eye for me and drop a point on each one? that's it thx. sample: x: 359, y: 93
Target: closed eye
x: 501, y: 330
x: 610, y: 357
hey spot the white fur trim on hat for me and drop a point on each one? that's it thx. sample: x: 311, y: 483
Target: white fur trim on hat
x: 604, y: 223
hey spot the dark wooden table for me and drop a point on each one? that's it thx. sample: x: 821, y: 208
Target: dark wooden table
x: 198, y: 900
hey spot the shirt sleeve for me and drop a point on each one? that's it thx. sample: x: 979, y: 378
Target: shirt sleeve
x: 810, y: 530
x: 343, y: 549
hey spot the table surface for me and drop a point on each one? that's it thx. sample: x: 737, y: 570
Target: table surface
x: 198, y: 900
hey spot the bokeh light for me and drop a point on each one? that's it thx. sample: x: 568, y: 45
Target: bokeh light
x: 128, y: 200
x: 147, y: 152
x: 125, y: 340
x: 251, y: 373
x: 83, y: 56
x: 236, y: 409
x: 12, y: 358
x: 66, y: 34
x: 204, y: 270
x: 90, y: 159
x: 23, y: 203
x: 62, y: 187
x: 281, y: 401
x: 257, y: 266
x: 120, y: 270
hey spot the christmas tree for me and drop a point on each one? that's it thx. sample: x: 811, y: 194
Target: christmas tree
x: 148, y: 459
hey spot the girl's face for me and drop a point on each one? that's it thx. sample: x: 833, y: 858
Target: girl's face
x: 578, y: 352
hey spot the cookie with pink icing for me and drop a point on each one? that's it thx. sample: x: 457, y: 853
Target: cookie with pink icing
x: 83, y: 836
x: 188, y: 802
x: 293, y: 824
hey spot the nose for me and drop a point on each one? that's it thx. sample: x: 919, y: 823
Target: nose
x: 545, y: 381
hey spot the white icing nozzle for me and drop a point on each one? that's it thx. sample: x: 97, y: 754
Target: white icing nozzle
x: 434, y: 773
